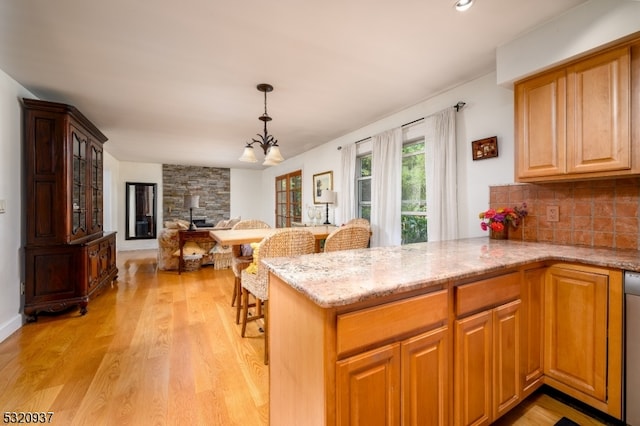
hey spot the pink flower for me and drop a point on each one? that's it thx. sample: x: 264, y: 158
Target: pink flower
x: 498, y: 219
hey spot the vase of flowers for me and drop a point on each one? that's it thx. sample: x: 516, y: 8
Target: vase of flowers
x: 498, y: 221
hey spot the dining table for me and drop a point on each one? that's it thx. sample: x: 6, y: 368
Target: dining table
x: 236, y: 237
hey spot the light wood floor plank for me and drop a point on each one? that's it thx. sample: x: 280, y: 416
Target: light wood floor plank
x: 158, y: 348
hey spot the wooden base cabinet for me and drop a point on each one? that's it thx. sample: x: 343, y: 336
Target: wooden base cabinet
x: 400, y: 384
x: 532, y: 329
x: 385, y: 364
x: 487, y: 349
x: 583, y: 332
x: 60, y: 277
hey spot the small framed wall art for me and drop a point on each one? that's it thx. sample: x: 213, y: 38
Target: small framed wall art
x: 484, y: 148
x: 321, y: 181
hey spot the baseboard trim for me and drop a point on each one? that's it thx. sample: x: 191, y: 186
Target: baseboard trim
x: 9, y: 327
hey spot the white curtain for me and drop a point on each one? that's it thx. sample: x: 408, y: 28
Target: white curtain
x: 347, y: 195
x: 386, y: 188
x: 441, y: 166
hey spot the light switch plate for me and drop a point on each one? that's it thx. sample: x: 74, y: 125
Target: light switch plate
x: 3, y: 206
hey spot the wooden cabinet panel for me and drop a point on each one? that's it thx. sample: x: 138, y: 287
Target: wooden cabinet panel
x: 425, y: 376
x: 397, y: 319
x: 532, y: 329
x: 540, y: 110
x: 486, y: 293
x: 368, y: 388
x: 473, y: 369
x: 50, y: 275
x: 507, y: 391
x: 576, y: 306
x: 598, y: 93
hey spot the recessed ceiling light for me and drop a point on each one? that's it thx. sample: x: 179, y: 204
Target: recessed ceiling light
x: 462, y: 5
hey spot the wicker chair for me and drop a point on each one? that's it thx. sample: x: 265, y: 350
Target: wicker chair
x: 290, y: 242
x: 240, y: 262
x: 360, y: 222
x: 347, y: 237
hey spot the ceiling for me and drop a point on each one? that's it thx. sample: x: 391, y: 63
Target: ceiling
x: 175, y: 82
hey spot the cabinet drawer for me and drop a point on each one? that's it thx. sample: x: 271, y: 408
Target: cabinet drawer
x: 487, y: 293
x: 357, y: 330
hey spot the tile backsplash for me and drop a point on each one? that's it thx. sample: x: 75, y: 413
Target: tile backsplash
x: 598, y: 213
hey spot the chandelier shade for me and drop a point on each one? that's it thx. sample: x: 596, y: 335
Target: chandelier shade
x: 267, y: 142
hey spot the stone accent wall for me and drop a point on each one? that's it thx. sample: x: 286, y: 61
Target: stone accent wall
x: 595, y: 213
x: 210, y: 183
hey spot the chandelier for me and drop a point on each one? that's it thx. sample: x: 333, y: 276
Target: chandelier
x: 267, y: 142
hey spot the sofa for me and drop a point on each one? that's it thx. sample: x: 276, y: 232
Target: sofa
x: 210, y: 252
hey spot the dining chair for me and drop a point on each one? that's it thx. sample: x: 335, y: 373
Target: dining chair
x: 241, y: 260
x: 285, y: 243
x: 347, y: 237
x: 359, y: 221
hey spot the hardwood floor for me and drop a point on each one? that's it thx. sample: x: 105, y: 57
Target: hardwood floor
x: 160, y: 349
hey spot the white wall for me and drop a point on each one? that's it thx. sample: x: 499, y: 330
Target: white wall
x: 112, y: 192
x: 12, y: 186
x: 489, y: 112
x: 583, y: 28
x: 137, y: 172
x: 247, y: 195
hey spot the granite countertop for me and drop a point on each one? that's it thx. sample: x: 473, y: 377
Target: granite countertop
x: 345, y: 277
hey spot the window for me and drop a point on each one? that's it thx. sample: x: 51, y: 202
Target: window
x: 363, y: 177
x: 414, y: 193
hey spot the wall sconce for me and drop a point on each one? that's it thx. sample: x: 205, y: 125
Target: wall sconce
x: 191, y: 202
x: 327, y: 197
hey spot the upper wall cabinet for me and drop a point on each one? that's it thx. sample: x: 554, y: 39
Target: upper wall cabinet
x: 63, y: 161
x: 576, y: 121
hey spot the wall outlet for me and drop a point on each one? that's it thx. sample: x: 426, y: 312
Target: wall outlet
x: 553, y: 214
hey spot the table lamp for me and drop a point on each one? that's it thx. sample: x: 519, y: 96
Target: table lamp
x: 326, y: 197
x: 191, y: 202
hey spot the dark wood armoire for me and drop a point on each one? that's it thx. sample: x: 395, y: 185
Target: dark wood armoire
x: 68, y: 257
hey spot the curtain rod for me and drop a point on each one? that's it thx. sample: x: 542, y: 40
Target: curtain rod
x: 457, y: 107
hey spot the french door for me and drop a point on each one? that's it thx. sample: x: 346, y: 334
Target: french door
x: 288, y: 199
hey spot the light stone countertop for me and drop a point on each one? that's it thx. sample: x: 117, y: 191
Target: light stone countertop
x: 346, y: 277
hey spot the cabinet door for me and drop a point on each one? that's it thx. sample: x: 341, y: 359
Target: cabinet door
x: 532, y: 328
x: 540, y: 107
x: 425, y: 379
x: 78, y: 201
x: 368, y: 388
x: 94, y: 203
x: 576, y: 330
x: 94, y: 267
x: 472, y: 373
x: 598, y: 113
x: 506, y: 358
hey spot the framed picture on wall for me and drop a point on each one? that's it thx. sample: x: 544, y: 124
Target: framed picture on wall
x: 485, y: 148
x: 321, y: 181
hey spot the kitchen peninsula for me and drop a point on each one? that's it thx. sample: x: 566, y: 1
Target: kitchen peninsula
x: 454, y: 332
